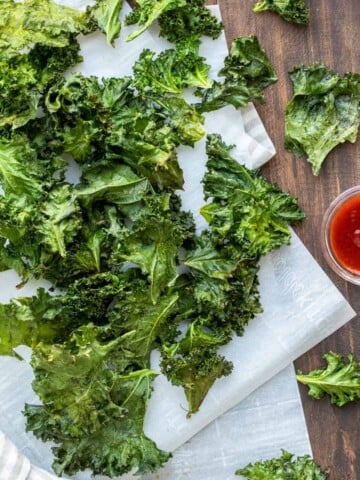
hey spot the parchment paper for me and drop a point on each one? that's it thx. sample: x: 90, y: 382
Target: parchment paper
x: 301, y: 307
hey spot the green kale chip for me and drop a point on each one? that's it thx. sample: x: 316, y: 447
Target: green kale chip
x: 294, y: 11
x: 245, y: 210
x: 191, y: 18
x: 194, y: 364
x: 340, y: 379
x: 23, y: 78
x: 147, y: 11
x: 283, y: 468
x: 106, y: 14
x: 247, y: 72
x: 323, y: 112
x: 219, y: 274
x: 172, y: 70
x: 28, y: 321
x: 24, y: 24
x: 92, y: 408
x: 108, y: 122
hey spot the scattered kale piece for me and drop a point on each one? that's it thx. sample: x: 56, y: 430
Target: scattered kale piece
x: 109, y: 122
x: 247, y: 72
x: 283, y: 468
x: 24, y: 24
x: 193, y: 363
x: 323, y: 112
x: 172, y: 70
x: 219, y: 274
x: 30, y: 74
x: 340, y: 379
x: 26, y: 321
x: 147, y: 11
x: 191, y: 18
x: 245, y: 209
x: 106, y: 14
x: 294, y: 11
x: 92, y: 408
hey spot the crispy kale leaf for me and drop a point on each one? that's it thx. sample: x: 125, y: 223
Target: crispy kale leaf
x: 92, y: 408
x: 172, y: 70
x: 294, y: 11
x: 340, y: 379
x: 217, y: 297
x: 44, y: 22
x: 106, y: 14
x: 23, y: 77
x: 194, y: 364
x: 110, y: 122
x: 245, y: 209
x: 323, y: 112
x: 154, y: 247
x: 147, y: 11
x: 283, y: 468
x: 191, y: 18
x: 219, y: 274
x: 247, y: 72
x: 28, y: 321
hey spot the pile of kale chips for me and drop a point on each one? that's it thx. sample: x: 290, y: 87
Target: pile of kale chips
x: 125, y: 258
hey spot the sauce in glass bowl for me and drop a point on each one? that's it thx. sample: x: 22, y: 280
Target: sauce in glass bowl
x: 341, y: 235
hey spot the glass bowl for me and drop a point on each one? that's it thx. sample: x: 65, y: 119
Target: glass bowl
x: 340, y: 235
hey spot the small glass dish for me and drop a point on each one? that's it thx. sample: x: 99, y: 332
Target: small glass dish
x: 340, y: 235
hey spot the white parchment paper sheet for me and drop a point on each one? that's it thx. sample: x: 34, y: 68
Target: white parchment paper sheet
x: 301, y: 307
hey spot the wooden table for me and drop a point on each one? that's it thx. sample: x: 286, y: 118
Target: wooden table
x: 332, y: 37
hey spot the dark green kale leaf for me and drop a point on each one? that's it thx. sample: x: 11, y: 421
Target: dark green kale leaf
x: 59, y: 220
x: 193, y: 363
x: 185, y: 121
x: 89, y: 252
x: 247, y: 60
x: 283, y: 468
x: 147, y: 11
x: 106, y: 14
x: 110, y: 122
x: 217, y: 297
x: 172, y: 70
x: 117, y: 185
x: 92, y: 408
x: 245, y: 210
x: 154, y: 247
x: 340, y: 379
x: 323, y: 112
x: 87, y: 299
x: 247, y: 72
x: 26, y: 321
x: 37, y: 214
x: 147, y: 144
x: 143, y: 322
x: 222, y: 287
x: 23, y: 77
x: 191, y: 18
x: 294, y: 11
x: 153, y: 242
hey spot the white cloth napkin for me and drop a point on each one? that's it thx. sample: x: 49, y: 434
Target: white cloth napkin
x: 15, y: 466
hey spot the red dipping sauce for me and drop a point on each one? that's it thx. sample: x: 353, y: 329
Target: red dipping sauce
x: 341, y: 235
x: 345, y: 234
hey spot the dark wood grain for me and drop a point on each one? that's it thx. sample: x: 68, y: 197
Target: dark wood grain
x: 332, y: 38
